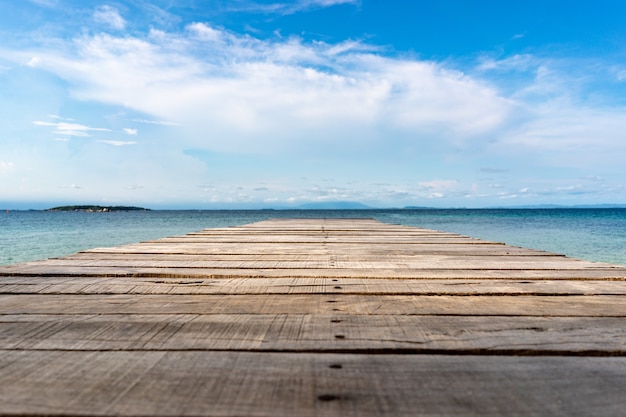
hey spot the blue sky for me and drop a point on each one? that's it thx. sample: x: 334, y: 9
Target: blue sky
x: 211, y: 104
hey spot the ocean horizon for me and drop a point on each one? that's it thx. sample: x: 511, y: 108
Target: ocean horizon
x: 595, y: 234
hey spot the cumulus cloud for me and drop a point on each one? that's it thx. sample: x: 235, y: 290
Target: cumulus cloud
x: 205, y: 32
x: 223, y: 84
x: 109, y: 16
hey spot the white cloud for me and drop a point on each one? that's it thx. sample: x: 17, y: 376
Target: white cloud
x: 33, y: 62
x: 438, y: 184
x: 246, y: 87
x: 71, y: 129
x: 45, y: 3
x: 157, y: 122
x: 619, y: 73
x: 205, y: 32
x: 309, y: 4
x: 327, y: 3
x: 54, y: 116
x: 518, y: 62
x: 560, y: 134
x: 285, y: 8
x: 110, y: 16
x: 130, y: 131
x: 117, y: 142
x: 6, y: 167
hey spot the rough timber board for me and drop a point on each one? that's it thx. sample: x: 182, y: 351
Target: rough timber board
x: 530, y: 336
x: 232, y: 249
x: 570, y: 306
x: 354, y: 286
x: 40, y: 270
x: 426, y: 262
x: 349, y: 252
x: 288, y: 384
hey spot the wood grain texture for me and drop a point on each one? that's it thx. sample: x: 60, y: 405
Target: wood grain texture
x: 308, y: 384
x: 313, y: 317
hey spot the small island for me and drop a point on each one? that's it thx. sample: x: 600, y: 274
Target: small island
x: 97, y: 209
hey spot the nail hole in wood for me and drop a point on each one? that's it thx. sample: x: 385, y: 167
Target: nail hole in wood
x: 340, y: 336
x: 328, y: 397
x: 335, y: 366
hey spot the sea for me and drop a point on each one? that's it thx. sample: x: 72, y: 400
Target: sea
x: 591, y: 234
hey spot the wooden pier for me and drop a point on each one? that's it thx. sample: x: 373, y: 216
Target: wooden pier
x: 313, y: 317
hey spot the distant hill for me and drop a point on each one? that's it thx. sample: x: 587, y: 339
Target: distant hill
x: 419, y: 208
x: 557, y: 206
x: 525, y: 207
x: 333, y: 205
x: 96, y: 209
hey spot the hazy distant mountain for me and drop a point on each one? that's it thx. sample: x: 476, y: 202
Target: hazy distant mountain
x: 333, y: 205
x: 419, y: 208
x: 557, y: 206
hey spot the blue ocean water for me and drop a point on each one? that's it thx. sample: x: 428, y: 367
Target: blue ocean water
x: 592, y: 234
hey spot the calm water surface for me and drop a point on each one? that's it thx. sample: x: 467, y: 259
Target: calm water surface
x: 593, y: 234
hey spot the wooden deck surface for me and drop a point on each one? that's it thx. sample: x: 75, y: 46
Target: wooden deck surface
x: 313, y: 317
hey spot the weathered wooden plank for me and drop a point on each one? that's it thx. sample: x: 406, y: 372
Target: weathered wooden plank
x: 354, y: 286
x: 287, y: 384
x: 425, y: 262
x: 595, y: 273
x: 327, y: 240
x: 496, y: 305
x: 385, y: 231
x: 317, y: 333
x: 291, y: 255
x: 375, y: 248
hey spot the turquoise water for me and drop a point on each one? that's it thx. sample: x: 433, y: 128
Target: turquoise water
x: 592, y: 234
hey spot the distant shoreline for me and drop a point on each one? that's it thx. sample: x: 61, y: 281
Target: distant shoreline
x: 97, y: 209
x: 333, y: 206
